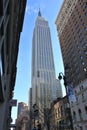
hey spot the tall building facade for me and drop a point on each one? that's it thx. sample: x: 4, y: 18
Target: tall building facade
x: 71, y: 25
x: 43, y: 70
x: 11, y: 21
x: 30, y: 98
x: 72, y: 30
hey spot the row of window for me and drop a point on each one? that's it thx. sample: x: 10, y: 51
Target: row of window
x: 42, y: 22
x: 80, y: 88
x: 79, y: 113
x: 59, y: 112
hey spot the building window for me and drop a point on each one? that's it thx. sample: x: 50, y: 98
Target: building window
x: 61, y: 111
x: 85, y: 14
x: 81, y: 87
x: 75, y: 92
x: 74, y: 115
x: 85, y: 69
x: 85, y: 6
x: 58, y: 111
x: 86, y: 109
x: 38, y: 74
x: 77, y: 99
x: 81, y: 57
x: 80, y: 114
x: 83, y: 97
x: 83, y: 63
x: 57, y: 114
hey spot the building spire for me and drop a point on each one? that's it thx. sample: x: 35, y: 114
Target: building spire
x: 39, y: 13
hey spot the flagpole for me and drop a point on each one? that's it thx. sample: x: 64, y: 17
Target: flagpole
x: 62, y: 76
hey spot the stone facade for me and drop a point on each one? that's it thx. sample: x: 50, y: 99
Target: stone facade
x: 11, y: 22
x: 79, y: 108
x: 22, y: 121
x: 62, y: 114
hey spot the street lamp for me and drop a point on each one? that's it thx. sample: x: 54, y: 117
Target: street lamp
x: 35, y: 113
x: 62, y: 76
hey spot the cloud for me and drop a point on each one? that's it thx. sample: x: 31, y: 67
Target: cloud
x: 31, y: 9
x: 34, y: 8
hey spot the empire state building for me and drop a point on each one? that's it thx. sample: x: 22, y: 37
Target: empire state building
x: 45, y: 86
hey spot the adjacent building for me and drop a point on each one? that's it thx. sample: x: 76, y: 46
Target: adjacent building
x: 45, y: 86
x: 21, y: 105
x: 71, y: 25
x: 79, y: 108
x: 11, y: 22
x: 22, y: 121
x: 61, y: 114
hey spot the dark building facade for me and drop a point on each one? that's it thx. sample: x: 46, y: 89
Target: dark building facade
x: 71, y: 25
x: 11, y: 22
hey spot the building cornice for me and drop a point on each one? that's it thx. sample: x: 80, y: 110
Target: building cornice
x: 64, y: 14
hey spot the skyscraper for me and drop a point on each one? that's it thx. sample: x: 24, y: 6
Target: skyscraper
x: 45, y: 87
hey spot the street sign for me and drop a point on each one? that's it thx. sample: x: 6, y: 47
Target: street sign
x: 13, y: 102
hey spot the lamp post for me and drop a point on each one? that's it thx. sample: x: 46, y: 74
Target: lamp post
x: 62, y: 76
x: 35, y: 113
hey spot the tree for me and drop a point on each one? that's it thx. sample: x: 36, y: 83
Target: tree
x: 44, y: 114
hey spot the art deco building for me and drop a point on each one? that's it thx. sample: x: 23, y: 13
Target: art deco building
x: 45, y: 87
x: 11, y: 22
x: 71, y: 25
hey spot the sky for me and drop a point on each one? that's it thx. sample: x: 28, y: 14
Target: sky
x: 49, y: 10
